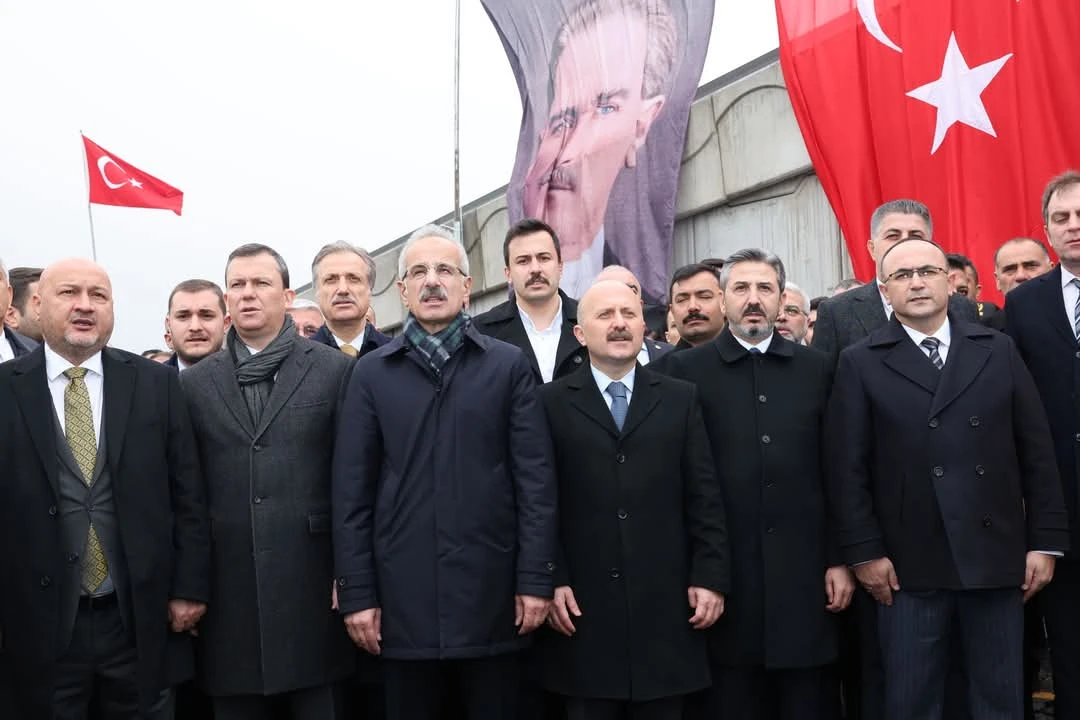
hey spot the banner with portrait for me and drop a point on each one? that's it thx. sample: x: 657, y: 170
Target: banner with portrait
x: 606, y: 87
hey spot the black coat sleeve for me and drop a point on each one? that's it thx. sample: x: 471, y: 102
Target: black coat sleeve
x: 191, y: 520
x: 535, y: 487
x: 705, y: 516
x: 848, y: 432
x: 357, y: 461
x: 826, y: 333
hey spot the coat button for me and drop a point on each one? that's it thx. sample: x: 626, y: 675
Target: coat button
x: 771, y: 530
x: 620, y: 458
x: 934, y: 422
x: 615, y: 574
x: 766, y: 439
x: 256, y: 448
x: 986, y: 522
x: 980, y: 470
x: 939, y: 471
x: 46, y: 581
x: 1078, y: 355
x: 577, y: 359
x: 974, y: 420
x: 52, y: 508
x: 71, y: 558
x: 257, y: 500
x: 761, y: 398
x: 622, y: 514
x: 550, y: 567
x: 1077, y: 438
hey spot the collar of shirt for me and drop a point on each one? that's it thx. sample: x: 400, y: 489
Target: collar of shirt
x: 357, y: 343
x: 181, y: 365
x: 56, y: 365
x: 643, y: 354
x: 7, y: 350
x: 943, y: 334
x: 884, y: 301
x: 763, y: 346
x: 531, y: 329
x: 602, y: 381
x: 1066, y: 277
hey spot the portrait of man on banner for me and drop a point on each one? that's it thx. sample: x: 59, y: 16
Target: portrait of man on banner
x: 606, y: 86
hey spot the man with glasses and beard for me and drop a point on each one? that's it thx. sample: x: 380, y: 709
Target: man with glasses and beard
x: 764, y: 399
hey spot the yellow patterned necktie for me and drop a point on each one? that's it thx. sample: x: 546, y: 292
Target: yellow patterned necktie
x: 79, y: 429
x: 349, y: 350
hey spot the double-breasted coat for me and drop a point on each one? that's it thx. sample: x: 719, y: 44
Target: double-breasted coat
x: 764, y: 415
x: 641, y: 519
x: 270, y: 628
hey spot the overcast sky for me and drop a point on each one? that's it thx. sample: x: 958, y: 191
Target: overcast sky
x: 291, y: 124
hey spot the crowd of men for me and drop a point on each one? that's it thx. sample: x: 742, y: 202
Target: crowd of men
x: 544, y: 511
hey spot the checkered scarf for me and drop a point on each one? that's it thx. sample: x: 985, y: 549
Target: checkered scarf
x: 437, y: 348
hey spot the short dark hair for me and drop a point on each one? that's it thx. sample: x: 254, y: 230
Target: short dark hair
x: 254, y: 249
x: 20, y: 279
x: 151, y: 353
x: 814, y: 302
x: 1062, y: 181
x: 956, y: 261
x: 528, y: 226
x: 688, y: 271
x: 1014, y: 241
x: 195, y: 286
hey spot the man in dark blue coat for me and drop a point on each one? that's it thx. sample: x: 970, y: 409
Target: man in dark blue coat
x: 343, y: 276
x: 443, y: 499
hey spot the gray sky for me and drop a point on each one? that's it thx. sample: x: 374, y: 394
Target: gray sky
x: 291, y: 124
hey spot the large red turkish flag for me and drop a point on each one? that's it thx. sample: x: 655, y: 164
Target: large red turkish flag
x: 965, y: 105
x: 115, y: 182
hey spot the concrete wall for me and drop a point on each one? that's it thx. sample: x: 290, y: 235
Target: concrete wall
x: 746, y: 181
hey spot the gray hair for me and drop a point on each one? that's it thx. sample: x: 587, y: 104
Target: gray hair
x: 753, y: 255
x: 805, y: 304
x: 901, y: 207
x: 342, y: 246
x: 303, y: 304
x: 432, y: 231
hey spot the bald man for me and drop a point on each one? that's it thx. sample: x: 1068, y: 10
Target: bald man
x: 650, y: 349
x: 102, y: 515
x: 642, y: 528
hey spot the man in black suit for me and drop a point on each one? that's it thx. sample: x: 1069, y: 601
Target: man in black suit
x: 845, y: 319
x: 343, y: 276
x: 12, y: 344
x: 540, y: 318
x: 650, y: 349
x: 1040, y: 315
x: 642, y: 527
x: 1015, y: 262
x: 764, y: 399
x: 696, y: 304
x: 196, y: 322
x: 102, y: 514
x: 948, y: 501
x: 24, y: 285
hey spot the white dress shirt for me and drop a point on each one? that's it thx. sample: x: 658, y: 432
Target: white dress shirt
x: 578, y: 275
x: 643, y: 354
x: 58, y: 382
x: 357, y: 343
x: 885, y: 302
x: 602, y: 381
x: 763, y: 345
x: 181, y: 365
x: 1070, y: 293
x: 545, y: 343
x: 7, y: 352
x: 943, y: 335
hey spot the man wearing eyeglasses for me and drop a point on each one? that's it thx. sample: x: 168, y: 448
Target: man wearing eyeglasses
x: 946, y: 493
x: 793, y: 322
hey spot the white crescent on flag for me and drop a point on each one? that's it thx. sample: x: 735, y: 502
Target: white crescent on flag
x: 868, y: 13
x: 102, y: 162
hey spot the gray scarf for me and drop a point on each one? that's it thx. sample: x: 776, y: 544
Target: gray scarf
x: 255, y: 373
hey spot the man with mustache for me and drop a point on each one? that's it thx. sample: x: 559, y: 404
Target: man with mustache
x: 644, y: 553
x: 443, y: 499
x: 265, y: 410
x: 196, y: 322
x: 540, y: 318
x: 612, y: 61
x: 343, y: 276
x: 103, y: 519
x: 793, y: 322
x: 764, y: 400
x: 696, y: 304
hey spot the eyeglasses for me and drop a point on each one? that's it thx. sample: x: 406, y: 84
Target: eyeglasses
x: 443, y: 271
x: 792, y: 310
x: 925, y: 272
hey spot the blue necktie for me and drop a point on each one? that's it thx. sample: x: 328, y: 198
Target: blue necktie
x: 754, y: 350
x: 619, y: 405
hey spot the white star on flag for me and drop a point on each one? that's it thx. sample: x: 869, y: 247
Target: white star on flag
x: 135, y: 183
x: 957, y: 94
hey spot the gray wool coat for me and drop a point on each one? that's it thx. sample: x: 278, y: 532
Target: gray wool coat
x: 270, y: 627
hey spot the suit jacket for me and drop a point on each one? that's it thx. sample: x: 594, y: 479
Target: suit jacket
x: 764, y: 417
x: 20, y: 344
x: 372, y: 339
x: 641, y: 519
x: 503, y: 322
x: 849, y: 317
x: 656, y: 349
x: 949, y: 473
x: 173, y: 362
x: 1036, y: 320
x: 160, y: 512
x: 269, y: 628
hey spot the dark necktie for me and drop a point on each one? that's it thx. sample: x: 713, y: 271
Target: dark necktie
x: 619, y: 404
x: 754, y: 350
x: 931, y: 344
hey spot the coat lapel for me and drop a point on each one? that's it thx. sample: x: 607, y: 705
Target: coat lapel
x: 907, y: 359
x: 868, y: 307
x: 119, y: 391
x: 31, y: 388
x: 1055, y: 300
x: 643, y: 400
x: 966, y: 359
x: 224, y: 375
x: 289, y: 376
x: 568, y: 343
x: 585, y: 396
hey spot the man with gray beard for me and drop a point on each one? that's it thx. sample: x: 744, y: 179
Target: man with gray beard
x: 763, y: 398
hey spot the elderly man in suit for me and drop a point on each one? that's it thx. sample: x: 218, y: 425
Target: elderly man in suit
x: 643, y: 545
x: 540, y: 317
x: 102, y: 515
x: 264, y: 410
x: 12, y: 344
x: 948, y: 499
x: 650, y: 349
x: 343, y: 276
x: 444, y: 499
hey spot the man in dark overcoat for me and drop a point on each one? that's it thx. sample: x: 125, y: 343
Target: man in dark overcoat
x: 764, y: 399
x: 264, y: 410
x: 643, y: 551
x: 443, y: 499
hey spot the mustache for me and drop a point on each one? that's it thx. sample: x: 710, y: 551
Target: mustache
x: 753, y: 308
x: 538, y: 277
x: 620, y: 335
x: 560, y: 178
x: 696, y: 315
x: 438, y: 292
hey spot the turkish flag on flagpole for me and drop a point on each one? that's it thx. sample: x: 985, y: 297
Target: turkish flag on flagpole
x: 956, y: 103
x: 116, y: 182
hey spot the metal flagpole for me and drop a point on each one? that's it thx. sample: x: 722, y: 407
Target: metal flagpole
x: 89, y: 212
x: 457, y: 122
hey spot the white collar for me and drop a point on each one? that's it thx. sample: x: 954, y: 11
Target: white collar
x: 602, y: 380
x: 1066, y: 277
x: 56, y: 365
x: 762, y: 346
x: 943, y: 334
x: 556, y: 321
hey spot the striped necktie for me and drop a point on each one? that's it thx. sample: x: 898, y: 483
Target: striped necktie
x: 1075, y: 282
x: 931, y: 344
x: 79, y: 429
